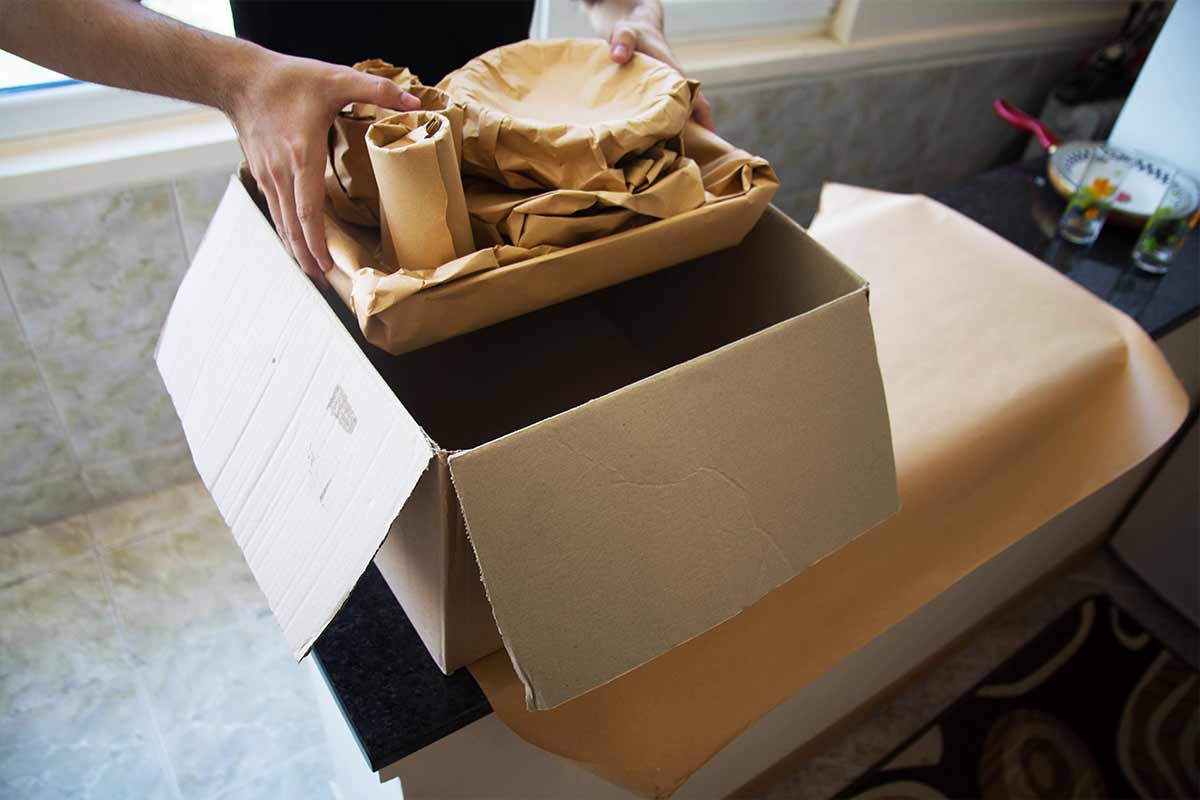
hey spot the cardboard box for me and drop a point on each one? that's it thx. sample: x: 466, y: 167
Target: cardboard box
x: 627, y: 469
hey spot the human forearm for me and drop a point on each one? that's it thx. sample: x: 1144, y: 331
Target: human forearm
x: 120, y: 43
x: 281, y: 106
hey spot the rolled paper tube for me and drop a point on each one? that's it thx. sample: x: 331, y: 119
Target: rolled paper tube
x: 436, y: 100
x: 423, y: 213
x: 349, y: 177
x: 349, y: 182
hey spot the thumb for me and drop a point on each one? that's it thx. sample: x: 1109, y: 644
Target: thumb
x: 381, y: 92
x: 624, y: 41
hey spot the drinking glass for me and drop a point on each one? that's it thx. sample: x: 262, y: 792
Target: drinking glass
x: 1168, y: 227
x: 1098, y: 185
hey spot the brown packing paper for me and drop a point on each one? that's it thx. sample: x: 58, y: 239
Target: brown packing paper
x: 558, y: 217
x: 400, y: 310
x: 349, y: 181
x: 560, y: 114
x: 1013, y: 393
x: 423, y: 215
x: 377, y: 66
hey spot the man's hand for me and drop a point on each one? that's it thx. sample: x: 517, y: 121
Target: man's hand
x: 636, y: 26
x: 282, y: 115
x: 281, y: 106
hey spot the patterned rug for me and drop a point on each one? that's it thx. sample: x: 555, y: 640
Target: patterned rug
x: 1093, y: 707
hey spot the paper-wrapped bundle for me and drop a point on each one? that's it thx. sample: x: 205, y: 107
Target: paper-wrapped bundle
x: 565, y: 217
x: 561, y: 115
x: 349, y: 180
x: 400, y: 309
x: 423, y: 214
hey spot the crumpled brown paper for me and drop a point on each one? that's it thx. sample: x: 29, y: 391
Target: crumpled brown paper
x: 401, y: 309
x: 1013, y: 393
x: 560, y: 114
x: 620, y: 155
x: 423, y: 214
x: 564, y: 217
x: 349, y: 179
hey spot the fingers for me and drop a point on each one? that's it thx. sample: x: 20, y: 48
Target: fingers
x: 702, y: 112
x: 292, y: 232
x: 364, y: 88
x: 267, y: 187
x: 310, y: 212
x: 624, y: 42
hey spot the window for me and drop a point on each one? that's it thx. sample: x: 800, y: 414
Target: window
x: 699, y: 20
x: 31, y: 96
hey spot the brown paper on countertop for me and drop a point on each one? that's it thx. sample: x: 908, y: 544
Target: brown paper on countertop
x: 400, y: 310
x: 560, y: 114
x: 1013, y: 393
x: 423, y: 214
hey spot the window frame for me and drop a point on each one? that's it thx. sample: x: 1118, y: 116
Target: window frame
x: 74, y: 105
x: 30, y: 112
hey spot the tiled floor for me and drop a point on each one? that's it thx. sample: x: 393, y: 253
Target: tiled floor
x: 138, y: 660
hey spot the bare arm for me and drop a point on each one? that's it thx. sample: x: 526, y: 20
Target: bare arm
x: 637, y: 26
x: 281, y: 106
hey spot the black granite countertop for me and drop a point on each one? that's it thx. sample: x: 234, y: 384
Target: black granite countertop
x: 1017, y: 202
x: 395, y: 698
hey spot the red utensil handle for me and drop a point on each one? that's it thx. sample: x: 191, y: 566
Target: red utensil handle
x: 1019, y: 119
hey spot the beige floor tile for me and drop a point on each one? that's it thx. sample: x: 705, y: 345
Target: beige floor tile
x: 140, y: 474
x: 165, y: 510
x: 12, y: 340
x: 34, y: 441
x: 58, y: 636
x: 233, y: 707
x: 93, y: 267
x: 112, y: 399
x: 173, y: 588
x: 42, y: 500
x: 41, y: 547
x: 96, y: 743
x: 306, y: 776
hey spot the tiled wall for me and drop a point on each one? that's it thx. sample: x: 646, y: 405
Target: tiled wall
x: 86, y: 281
x: 899, y: 129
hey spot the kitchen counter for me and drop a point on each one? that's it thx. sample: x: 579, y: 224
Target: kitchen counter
x: 395, y: 699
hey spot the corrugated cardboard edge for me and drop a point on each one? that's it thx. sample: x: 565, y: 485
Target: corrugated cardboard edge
x: 239, y: 217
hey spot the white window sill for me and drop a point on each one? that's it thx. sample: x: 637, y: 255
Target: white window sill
x: 762, y: 59
x: 40, y: 168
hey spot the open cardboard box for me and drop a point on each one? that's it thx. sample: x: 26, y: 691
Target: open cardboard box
x: 626, y: 469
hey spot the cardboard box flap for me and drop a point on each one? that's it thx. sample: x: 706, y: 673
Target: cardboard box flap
x: 306, y: 451
x: 610, y: 533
